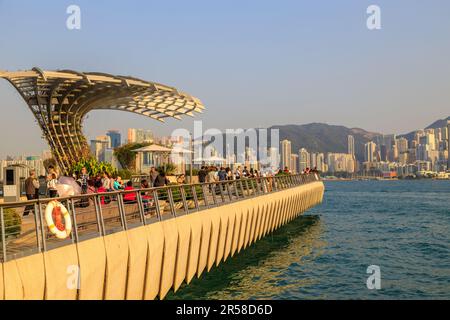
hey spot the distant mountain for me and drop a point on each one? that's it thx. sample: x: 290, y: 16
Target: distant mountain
x: 320, y: 137
x: 324, y: 138
x: 437, y: 124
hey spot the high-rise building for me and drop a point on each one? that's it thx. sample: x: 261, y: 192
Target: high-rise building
x: 294, y: 163
x: 341, y: 162
x: 402, y: 145
x: 106, y: 140
x: 97, y: 148
x: 403, y: 158
x: 116, y: 138
x: 369, y: 152
x: 318, y: 161
x: 140, y: 136
x: 351, y: 145
x: 422, y: 152
x: 304, y: 159
x: 286, y: 152
x: 384, y: 153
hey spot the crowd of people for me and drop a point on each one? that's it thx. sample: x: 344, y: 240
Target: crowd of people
x: 104, y: 182
x: 208, y: 174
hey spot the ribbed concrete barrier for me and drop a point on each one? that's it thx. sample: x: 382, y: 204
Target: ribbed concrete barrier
x: 148, y: 261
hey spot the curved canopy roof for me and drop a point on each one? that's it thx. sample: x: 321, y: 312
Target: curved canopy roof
x: 87, y: 91
x: 60, y: 100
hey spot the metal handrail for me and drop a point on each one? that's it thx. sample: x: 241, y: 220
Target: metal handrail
x: 100, y: 214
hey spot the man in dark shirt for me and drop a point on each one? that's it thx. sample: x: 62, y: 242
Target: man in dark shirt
x: 202, y: 175
x: 161, y: 180
x: 31, y: 190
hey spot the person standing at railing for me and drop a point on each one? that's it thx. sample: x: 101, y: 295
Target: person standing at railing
x: 212, y: 177
x: 161, y: 180
x: 31, y: 184
x: 51, y: 171
x: 51, y: 186
x: 229, y: 174
x: 222, y: 174
x: 84, y: 178
x: 238, y: 173
x: 153, y: 175
x: 246, y: 173
x: 202, y: 174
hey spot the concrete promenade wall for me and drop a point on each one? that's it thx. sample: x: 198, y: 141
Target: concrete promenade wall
x: 147, y: 262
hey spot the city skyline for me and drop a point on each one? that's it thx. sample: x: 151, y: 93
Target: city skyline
x: 325, y: 63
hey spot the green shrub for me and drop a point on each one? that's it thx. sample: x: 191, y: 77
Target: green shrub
x: 13, y: 223
x: 126, y: 156
x: 194, y: 172
x: 125, y: 174
x: 169, y: 169
x: 93, y: 167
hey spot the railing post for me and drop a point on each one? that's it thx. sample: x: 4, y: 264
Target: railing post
x: 230, y: 193
x: 157, y: 208
x: 101, y: 221
x: 194, y: 195
x: 248, y: 187
x: 222, y: 195
x: 213, y: 191
x: 171, y: 202
x: 41, y: 219
x: 75, y: 225
x: 36, y: 227
x: 235, y: 188
x: 205, y: 195
x: 2, y: 222
x: 242, y: 188
x: 183, y: 197
x: 122, y: 211
x: 141, y: 207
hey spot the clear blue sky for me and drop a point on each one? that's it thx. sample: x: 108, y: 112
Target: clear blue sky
x: 253, y: 63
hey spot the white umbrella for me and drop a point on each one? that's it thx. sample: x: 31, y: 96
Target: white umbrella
x: 65, y: 190
x: 154, y: 148
x: 68, y: 185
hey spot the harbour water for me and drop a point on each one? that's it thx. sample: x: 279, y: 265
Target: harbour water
x: 401, y: 226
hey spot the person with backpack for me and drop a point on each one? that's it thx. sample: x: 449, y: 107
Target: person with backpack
x: 223, y: 175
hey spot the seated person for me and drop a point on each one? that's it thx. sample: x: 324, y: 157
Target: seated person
x: 181, y: 179
x: 118, y: 184
x: 129, y: 197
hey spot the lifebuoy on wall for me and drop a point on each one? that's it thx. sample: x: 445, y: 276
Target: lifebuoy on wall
x: 53, y: 214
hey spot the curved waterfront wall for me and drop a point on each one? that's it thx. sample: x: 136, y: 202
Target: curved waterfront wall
x: 148, y: 261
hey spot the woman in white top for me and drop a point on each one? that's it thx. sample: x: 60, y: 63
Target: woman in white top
x: 106, y: 182
x: 51, y: 186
